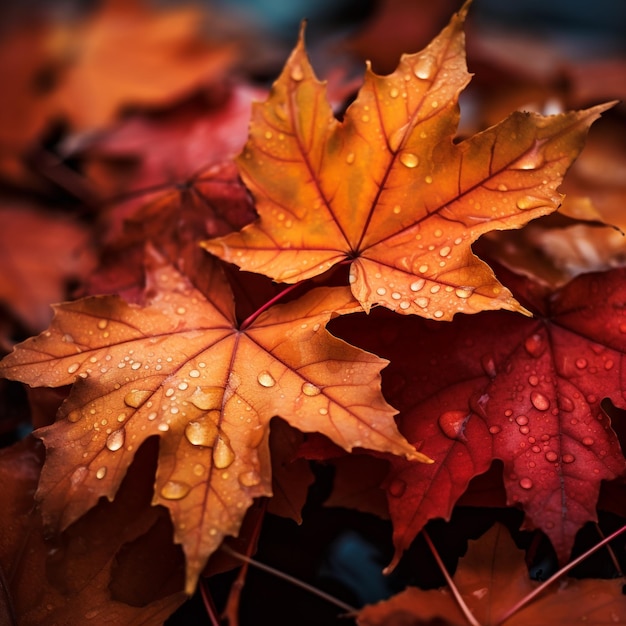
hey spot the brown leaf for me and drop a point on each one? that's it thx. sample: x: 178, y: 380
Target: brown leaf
x: 180, y: 368
x: 492, y: 577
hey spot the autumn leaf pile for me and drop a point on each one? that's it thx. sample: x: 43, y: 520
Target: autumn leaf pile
x: 246, y: 281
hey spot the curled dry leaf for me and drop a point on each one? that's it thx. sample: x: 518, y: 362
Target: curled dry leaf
x: 180, y: 368
x: 389, y: 190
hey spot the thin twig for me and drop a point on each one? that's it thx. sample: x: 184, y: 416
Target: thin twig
x: 291, y: 579
x: 209, y: 605
x: 455, y: 592
x: 533, y: 594
x: 616, y: 565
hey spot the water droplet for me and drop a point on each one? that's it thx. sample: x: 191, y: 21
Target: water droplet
x: 423, y: 268
x: 417, y: 285
x: 381, y: 291
x: 533, y: 380
x: 102, y: 324
x: 464, y: 292
x: 421, y: 302
x: 268, y: 134
x: 73, y: 368
x: 565, y: 403
x: 539, y: 401
x: 181, y: 310
x: 424, y: 67
x: 175, y: 490
x: 445, y: 251
x: 309, y: 389
x: 101, y: 473
x: 397, y: 487
x: 608, y: 364
x: 296, y: 73
x: 201, y: 432
x: 581, y: 363
x: 194, y: 374
x: 494, y: 430
x: 530, y: 161
x: 534, y: 345
x: 551, y: 456
x: 198, y: 469
x: 522, y: 420
x: 249, y: 479
x: 587, y: 441
x: 223, y: 454
x: 350, y: 158
x: 136, y: 397
x: 115, y: 440
x: 526, y: 483
x: 365, y: 118
x: 530, y: 202
x: 452, y: 423
x: 394, y: 92
x: 568, y: 458
x: 265, y: 379
x: 410, y: 160
x: 428, y: 180
x: 488, y: 365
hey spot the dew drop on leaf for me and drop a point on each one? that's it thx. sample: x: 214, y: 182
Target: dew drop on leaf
x: 410, y: 160
x: 201, y: 432
x: 136, y: 397
x: 296, y: 73
x: 568, y: 458
x: 175, y: 490
x: 494, y: 430
x: 565, y: 403
x: 526, y: 483
x: 73, y: 368
x: 452, y: 423
x: 265, y: 379
x: 463, y: 292
x: 539, y: 401
x: 534, y: 345
x: 551, y: 456
x: 530, y: 202
x: 587, y: 441
x: 417, y: 285
x: 581, y: 363
x: 488, y: 365
x: 101, y: 473
x: 309, y: 389
x: 78, y: 475
x: 424, y: 67
x: 522, y: 420
x: 223, y: 455
x: 249, y: 479
x: 102, y: 324
x: 115, y: 440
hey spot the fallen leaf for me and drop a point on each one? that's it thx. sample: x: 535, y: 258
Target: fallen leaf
x: 114, y: 564
x: 491, y: 578
x: 388, y: 190
x: 128, y: 53
x: 181, y: 368
x: 502, y: 386
x: 40, y: 254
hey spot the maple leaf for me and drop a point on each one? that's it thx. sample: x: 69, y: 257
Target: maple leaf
x: 39, y: 254
x: 180, y: 368
x: 491, y: 578
x: 498, y: 385
x: 129, y: 54
x: 389, y: 190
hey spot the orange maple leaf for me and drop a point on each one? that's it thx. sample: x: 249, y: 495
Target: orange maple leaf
x: 491, y: 578
x: 389, y: 189
x: 182, y: 369
x: 129, y: 54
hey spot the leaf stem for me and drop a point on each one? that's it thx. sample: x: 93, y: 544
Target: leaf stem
x: 289, y: 578
x: 250, y: 319
x: 455, y: 592
x: 533, y: 594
